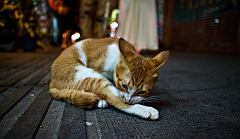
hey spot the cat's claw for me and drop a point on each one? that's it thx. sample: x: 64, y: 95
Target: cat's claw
x: 102, y: 104
x: 144, y: 112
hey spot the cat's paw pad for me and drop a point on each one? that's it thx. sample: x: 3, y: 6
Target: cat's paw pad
x: 102, y: 103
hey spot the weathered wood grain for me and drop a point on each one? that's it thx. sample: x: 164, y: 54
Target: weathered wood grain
x: 7, y: 122
x: 45, y: 80
x: 14, y: 61
x: 28, y: 124
x: 2, y: 89
x: 73, y: 123
x: 40, y: 74
x: 3, y: 69
x: 13, y: 70
x: 26, y: 69
x: 23, y: 73
x: 7, y: 92
x: 92, y: 125
x: 51, y: 123
x: 7, y: 103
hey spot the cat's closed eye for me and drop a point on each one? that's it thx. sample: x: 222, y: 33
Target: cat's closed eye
x: 141, y: 92
x: 124, y: 86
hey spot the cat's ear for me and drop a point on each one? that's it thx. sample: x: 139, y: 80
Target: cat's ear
x: 127, y: 49
x: 160, y: 59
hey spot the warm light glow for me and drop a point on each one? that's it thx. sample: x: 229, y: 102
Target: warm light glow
x: 114, y: 25
x: 64, y: 35
x: 75, y: 36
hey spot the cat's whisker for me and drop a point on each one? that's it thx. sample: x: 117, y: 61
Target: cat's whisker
x: 151, y: 99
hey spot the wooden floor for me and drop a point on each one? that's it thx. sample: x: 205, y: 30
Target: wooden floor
x: 27, y: 109
x: 197, y: 94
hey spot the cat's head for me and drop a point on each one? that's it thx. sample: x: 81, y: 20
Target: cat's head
x: 136, y: 75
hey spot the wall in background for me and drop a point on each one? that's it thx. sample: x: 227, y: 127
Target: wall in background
x: 202, y: 24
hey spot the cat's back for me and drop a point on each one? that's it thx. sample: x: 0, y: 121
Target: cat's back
x: 99, y: 54
x: 90, y: 50
x: 96, y: 46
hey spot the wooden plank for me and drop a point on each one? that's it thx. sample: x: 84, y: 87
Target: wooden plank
x: 6, y: 72
x: 51, y: 123
x: 45, y: 80
x: 40, y: 73
x: 15, y: 70
x: 12, y: 116
x: 73, y: 123
x: 18, y: 76
x: 2, y: 89
x: 31, y: 62
x: 3, y: 69
x: 15, y: 61
x: 7, y: 92
x: 11, y: 100
x: 29, y: 122
x: 92, y: 125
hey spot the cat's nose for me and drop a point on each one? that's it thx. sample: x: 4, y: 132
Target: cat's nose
x: 129, y: 101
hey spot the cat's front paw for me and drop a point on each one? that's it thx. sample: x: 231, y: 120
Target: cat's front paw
x: 102, y: 104
x: 144, y: 112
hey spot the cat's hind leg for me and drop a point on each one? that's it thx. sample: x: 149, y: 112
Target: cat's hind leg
x: 79, y: 98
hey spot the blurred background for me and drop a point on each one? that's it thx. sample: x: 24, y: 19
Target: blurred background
x: 150, y: 25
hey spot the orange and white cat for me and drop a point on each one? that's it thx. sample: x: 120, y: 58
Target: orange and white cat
x: 81, y: 76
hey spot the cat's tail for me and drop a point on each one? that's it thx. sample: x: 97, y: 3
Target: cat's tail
x: 81, y: 98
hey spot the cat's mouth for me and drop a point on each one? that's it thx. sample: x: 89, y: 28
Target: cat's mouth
x: 122, y: 97
x: 128, y: 100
